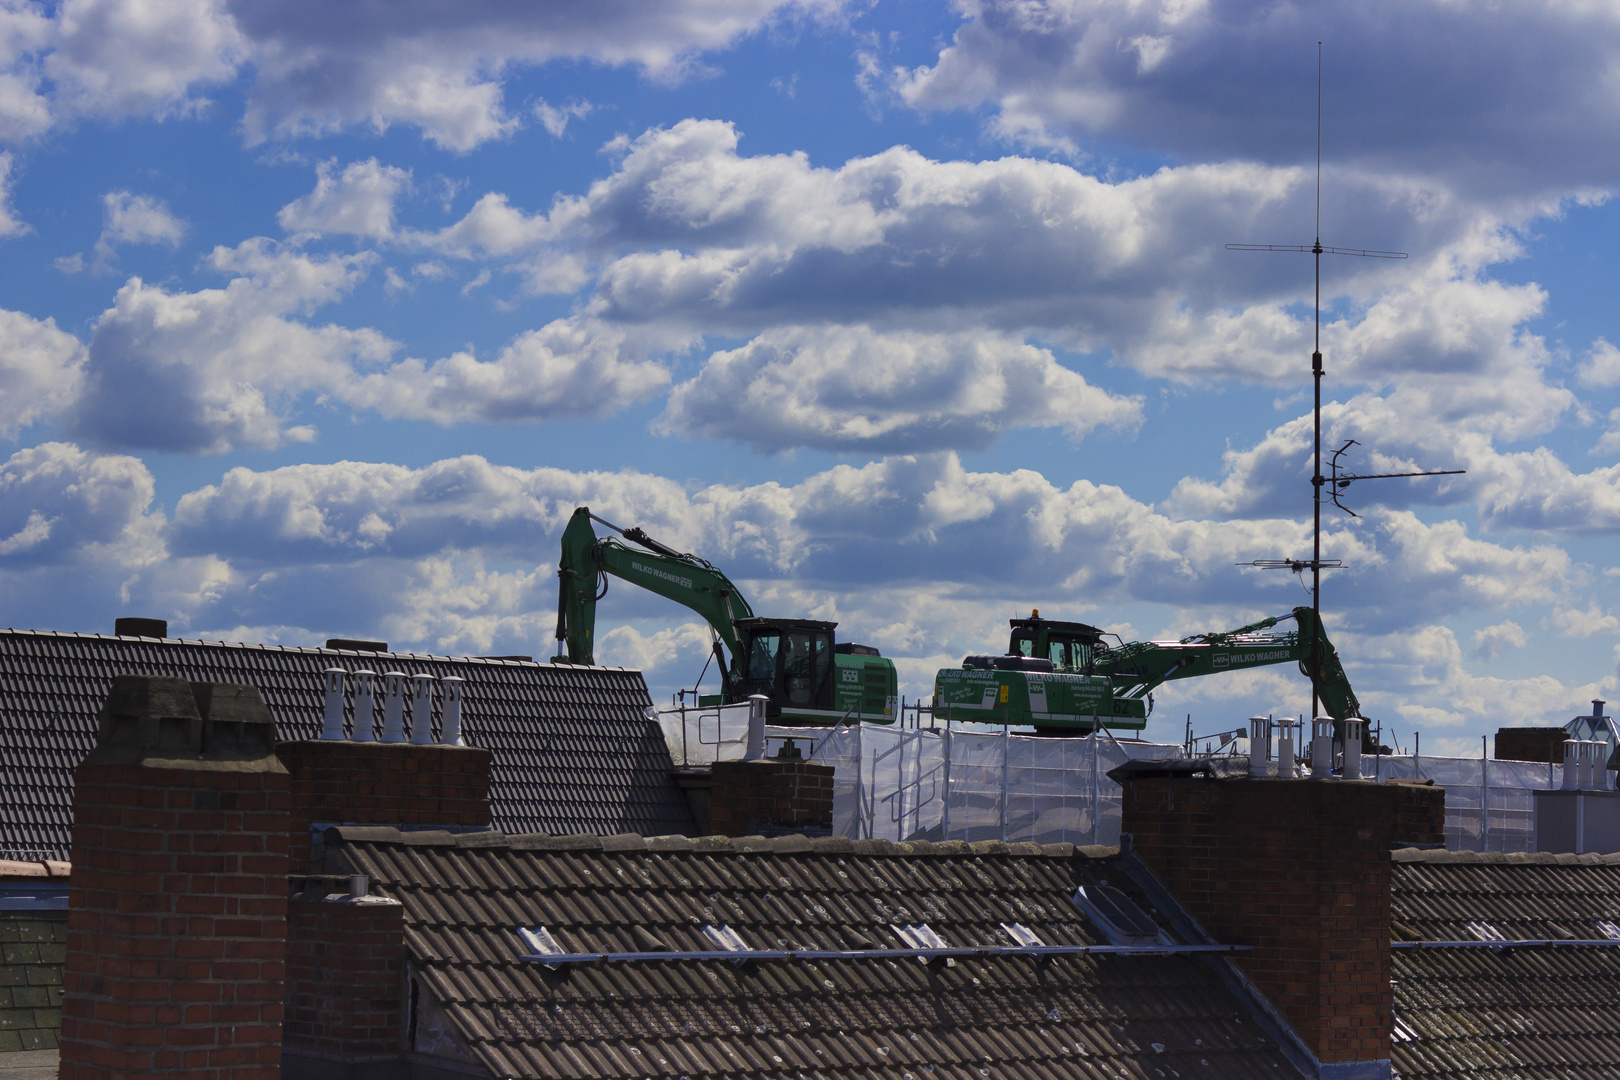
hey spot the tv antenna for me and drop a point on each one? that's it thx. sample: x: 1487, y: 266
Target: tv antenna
x: 1337, y: 482
x: 1316, y: 563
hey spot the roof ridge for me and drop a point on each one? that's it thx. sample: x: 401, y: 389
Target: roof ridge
x: 718, y: 845
x: 1439, y: 856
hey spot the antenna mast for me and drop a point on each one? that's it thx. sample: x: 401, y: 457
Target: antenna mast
x: 1317, y: 480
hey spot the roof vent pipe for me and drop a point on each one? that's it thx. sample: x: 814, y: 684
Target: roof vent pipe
x: 756, y: 727
x: 1597, y: 708
x: 394, y: 707
x: 1572, y: 765
x: 365, y: 705
x: 1322, y: 748
x: 332, y: 721
x: 1352, y: 749
x: 422, y: 710
x: 1259, y: 746
x: 1285, y: 750
x: 450, y: 719
x: 1589, y: 766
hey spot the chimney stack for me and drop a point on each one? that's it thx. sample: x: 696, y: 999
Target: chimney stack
x: 1300, y: 871
x: 178, y: 895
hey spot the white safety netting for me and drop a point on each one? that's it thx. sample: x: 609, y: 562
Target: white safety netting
x: 1490, y: 805
x: 906, y: 783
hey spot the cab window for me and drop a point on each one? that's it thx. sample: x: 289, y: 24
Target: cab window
x: 1023, y: 645
x: 806, y: 658
x: 762, y: 656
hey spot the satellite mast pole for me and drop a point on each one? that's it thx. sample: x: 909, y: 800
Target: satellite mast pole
x: 1316, y: 371
x: 1317, y: 479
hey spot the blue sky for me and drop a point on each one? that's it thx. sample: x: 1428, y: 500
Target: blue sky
x: 319, y: 321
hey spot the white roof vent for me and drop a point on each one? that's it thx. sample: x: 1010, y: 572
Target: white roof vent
x: 540, y: 941
x: 1022, y: 934
x: 1609, y: 930
x: 725, y: 939
x: 1484, y: 931
x: 922, y: 936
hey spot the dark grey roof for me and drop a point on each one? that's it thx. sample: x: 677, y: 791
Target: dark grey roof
x: 1498, y: 1014
x: 572, y: 750
x: 464, y: 897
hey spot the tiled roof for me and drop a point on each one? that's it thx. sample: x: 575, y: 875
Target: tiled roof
x: 1117, y: 1016
x: 572, y: 750
x: 1499, y: 1014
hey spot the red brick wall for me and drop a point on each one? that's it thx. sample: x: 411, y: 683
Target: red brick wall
x: 177, y: 924
x: 382, y: 784
x: 1531, y: 744
x: 345, y: 976
x: 749, y: 797
x: 1300, y: 871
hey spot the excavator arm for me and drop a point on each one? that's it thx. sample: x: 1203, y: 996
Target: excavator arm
x: 1139, y: 667
x: 588, y: 560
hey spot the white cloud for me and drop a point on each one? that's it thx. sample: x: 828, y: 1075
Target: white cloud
x: 554, y: 118
x: 1493, y: 641
x: 10, y: 224
x: 1235, y: 78
x: 359, y: 201
x: 568, y: 368
x: 135, y: 219
x: 1601, y: 366
x: 40, y: 370
x: 441, y: 69
x: 206, y: 371
x: 315, y: 70
x: 893, y: 525
x: 61, y: 504
x: 852, y: 388
x: 1579, y: 623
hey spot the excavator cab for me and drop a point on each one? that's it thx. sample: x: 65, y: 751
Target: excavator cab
x: 790, y: 661
x: 1070, y: 646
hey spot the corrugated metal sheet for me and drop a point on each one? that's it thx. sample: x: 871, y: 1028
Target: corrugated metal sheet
x: 1119, y: 1016
x: 572, y: 752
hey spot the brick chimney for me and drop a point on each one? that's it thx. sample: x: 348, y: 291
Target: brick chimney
x: 345, y: 977
x: 1299, y: 870
x: 178, y: 902
x: 374, y: 783
x: 770, y: 797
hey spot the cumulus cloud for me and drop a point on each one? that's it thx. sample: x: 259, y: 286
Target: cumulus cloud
x: 1235, y: 78
x: 40, y: 370
x: 1578, y: 622
x: 10, y: 224
x: 135, y: 219
x: 1601, y: 365
x: 441, y: 70
x: 895, y: 524
x: 554, y: 118
x: 206, y: 371
x: 359, y: 201
x: 570, y: 367
x: 317, y: 71
x: 59, y: 503
x: 836, y: 388
x: 1493, y: 641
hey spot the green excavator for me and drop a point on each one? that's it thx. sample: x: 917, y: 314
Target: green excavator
x: 806, y: 676
x: 1064, y: 678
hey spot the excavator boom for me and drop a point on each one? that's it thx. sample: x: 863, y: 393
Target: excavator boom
x: 805, y: 677
x: 1059, y: 675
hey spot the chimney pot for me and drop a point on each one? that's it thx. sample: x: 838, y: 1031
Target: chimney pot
x: 133, y: 626
x: 1322, y: 748
x: 450, y: 720
x: 332, y: 721
x: 1572, y: 765
x: 422, y: 709
x: 1285, y: 750
x: 1352, y: 749
x: 365, y: 705
x: 756, y: 727
x: 394, y: 707
x: 1259, y: 746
